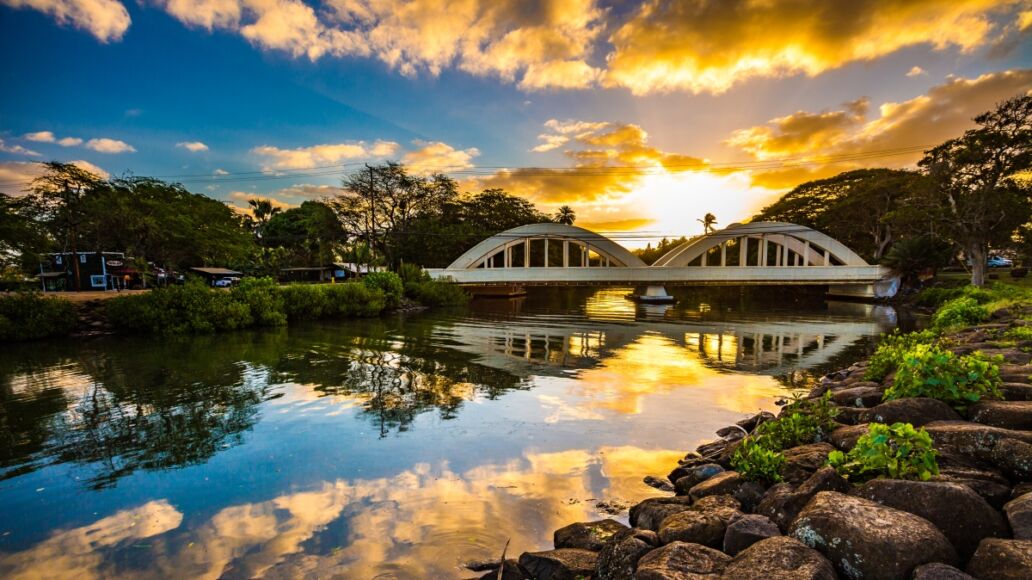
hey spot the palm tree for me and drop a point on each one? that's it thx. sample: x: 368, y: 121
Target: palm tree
x: 565, y: 215
x: 263, y: 211
x: 708, y: 221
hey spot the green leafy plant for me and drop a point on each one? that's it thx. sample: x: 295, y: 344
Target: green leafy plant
x: 891, y: 351
x: 1019, y: 333
x: 30, y: 315
x: 263, y: 300
x: 804, y: 421
x: 896, y: 451
x: 436, y: 293
x: 387, y: 282
x: 931, y: 371
x: 962, y: 311
x: 756, y: 462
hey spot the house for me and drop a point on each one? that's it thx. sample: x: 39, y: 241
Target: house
x: 96, y: 271
x: 332, y: 272
x: 217, y: 276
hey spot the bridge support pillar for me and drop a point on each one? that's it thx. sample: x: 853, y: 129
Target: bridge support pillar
x: 654, y: 294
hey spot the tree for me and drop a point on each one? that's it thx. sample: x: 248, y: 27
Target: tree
x: 866, y: 209
x: 708, y: 221
x: 59, y: 199
x: 262, y: 211
x: 21, y: 237
x: 649, y: 254
x: 311, y: 234
x: 912, y: 256
x: 981, y: 192
x: 565, y: 215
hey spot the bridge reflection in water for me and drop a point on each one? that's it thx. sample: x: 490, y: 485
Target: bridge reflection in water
x: 748, y: 343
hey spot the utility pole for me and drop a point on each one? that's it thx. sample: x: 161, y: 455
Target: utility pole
x: 372, y: 220
x: 73, y: 226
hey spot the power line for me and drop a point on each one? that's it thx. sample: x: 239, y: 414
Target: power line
x: 539, y: 171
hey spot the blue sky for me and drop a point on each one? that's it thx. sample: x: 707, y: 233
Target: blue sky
x: 672, y: 89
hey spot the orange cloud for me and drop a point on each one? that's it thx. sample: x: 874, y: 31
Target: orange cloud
x: 321, y: 155
x: 438, y: 157
x: 710, y: 46
x: 107, y: 20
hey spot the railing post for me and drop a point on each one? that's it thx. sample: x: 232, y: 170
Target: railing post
x: 743, y: 251
x: 806, y: 253
x: 546, y: 252
x: 526, y: 253
x: 723, y: 253
x: 566, y: 253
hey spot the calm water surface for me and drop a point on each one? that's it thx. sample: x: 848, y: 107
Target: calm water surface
x: 396, y: 447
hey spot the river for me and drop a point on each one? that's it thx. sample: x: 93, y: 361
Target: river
x: 394, y: 447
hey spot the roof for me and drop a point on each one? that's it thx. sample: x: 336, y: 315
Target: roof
x: 51, y: 275
x: 217, y: 271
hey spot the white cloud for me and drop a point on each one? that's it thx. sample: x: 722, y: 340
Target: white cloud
x: 105, y: 145
x: 107, y: 20
x: 321, y: 155
x: 916, y: 71
x: 40, y: 137
x: 438, y: 157
x: 192, y: 146
x: 69, y: 142
x: 17, y: 149
x: 221, y: 172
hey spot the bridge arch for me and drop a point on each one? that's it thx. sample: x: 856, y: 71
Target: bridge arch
x: 794, y: 245
x: 501, y: 249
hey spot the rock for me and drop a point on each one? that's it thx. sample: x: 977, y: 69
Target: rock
x: 562, y: 564
x: 694, y: 476
x: 858, y: 396
x: 1021, y: 489
x: 1002, y: 560
x: 779, y: 558
x: 845, y: 437
x: 1019, y: 514
x: 1010, y: 355
x: 703, y: 523
x: 745, y: 530
x: 712, y: 449
x: 917, y: 411
x: 865, y: 539
x: 681, y: 561
x: 782, y: 503
x: 660, y: 483
x: 1014, y: 457
x: 755, y: 421
x: 959, y: 513
x: 1004, y: 414
x: 729, y: 483
x: 618, y: 559
x: 971, y: 439
x: 851, y: 415
x: 801, y: 462
x: 649, y: 513
x: 586, y: 535
x: 939, y: 571
x: 511, y: 570
x: 993, y: 487
x: 1016, y: 391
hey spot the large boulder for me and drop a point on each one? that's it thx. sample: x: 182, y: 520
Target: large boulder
x: 939, y: 571
x: 858, y: 396
x: 681, y: 561
x: 845, y: 437
x: 1016, y: 391
x: 779, y: 558
x: 1005, y: 414
x: 916, y: 411
x: 562, y: 564
x: 801, y: 462
x: 695, y: 475
x: 586, y: 535
x: 511, y: 570
x: 703, y: 523
x: 747, y: 529
x: 1019, y: 514
x: 865, y: 539
x: 618, y: 559
x: 1013, y: 457
x: 782, y: 503
x: 991, y: 485
x: 959, y: 513
x: 729, y: 483
x: 1002, y: 560
x: 649, y: 513
x: 971, y: 439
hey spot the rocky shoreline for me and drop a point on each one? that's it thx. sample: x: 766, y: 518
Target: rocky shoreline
x: 973, y: 519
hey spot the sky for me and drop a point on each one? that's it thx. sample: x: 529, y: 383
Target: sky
x: 642, y: 116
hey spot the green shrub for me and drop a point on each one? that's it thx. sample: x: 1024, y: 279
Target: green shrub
x: 435, y: 293
x: 805, y: 421
x: 930, y: 371
x: 351, y: 300
x: 304, y: 301
x: 895, y: 451
x: 30, y: 315
x: 263, y: 299
x: 389, y: 283
x: 962, y: 311
x: 189, y: 309
x: 1019, y: 333
x: 410, y: 273
x: 756, y: 462
x: 891, y: 351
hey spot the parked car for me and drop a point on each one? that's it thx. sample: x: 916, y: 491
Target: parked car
x: 223, y: 283
x: 999, y: 262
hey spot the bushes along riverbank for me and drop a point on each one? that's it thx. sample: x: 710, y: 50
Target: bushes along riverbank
x: 914, y: 464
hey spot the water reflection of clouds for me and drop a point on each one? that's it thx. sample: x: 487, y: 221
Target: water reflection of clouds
x: 422, y: 522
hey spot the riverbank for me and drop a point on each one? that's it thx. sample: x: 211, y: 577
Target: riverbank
x: 914, y: 463
x: 198, y: 309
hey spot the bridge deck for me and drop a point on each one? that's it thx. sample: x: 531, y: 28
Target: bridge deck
x: 692, y: 275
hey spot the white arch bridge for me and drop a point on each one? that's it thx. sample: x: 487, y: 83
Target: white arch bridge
x: 762, y: 253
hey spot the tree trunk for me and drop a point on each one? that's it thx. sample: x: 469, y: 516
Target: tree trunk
x: 977, y: 253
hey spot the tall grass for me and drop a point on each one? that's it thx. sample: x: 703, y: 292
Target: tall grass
x: 30, y: 315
